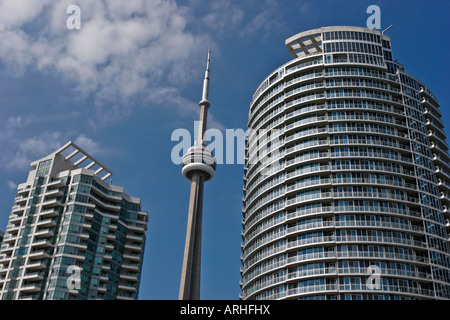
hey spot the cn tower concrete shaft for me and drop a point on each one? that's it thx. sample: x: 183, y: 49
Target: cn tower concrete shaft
x: 190, y: 275
x: 201, y: 172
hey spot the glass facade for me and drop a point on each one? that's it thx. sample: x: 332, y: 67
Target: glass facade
x: 347, y: 178
x: 72, y: 220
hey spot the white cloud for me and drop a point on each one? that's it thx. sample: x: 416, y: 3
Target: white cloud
x: 127, y: 53
x: 15, y: 13
x: 19, y: 152
x: 34, y: 148
x: 124, y: 48
x: 87, y: 144
x: 223, y: 15
x: 11, y: 185
x: 265, y: 22
x: 305, y: 7
x: 183, y: 106
x: 17, y: 122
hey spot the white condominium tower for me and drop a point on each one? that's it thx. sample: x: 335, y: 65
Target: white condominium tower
x: 71, y: 235
x: 347, y: 177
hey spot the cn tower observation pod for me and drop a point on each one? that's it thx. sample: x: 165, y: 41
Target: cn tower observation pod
x: 199, y: 158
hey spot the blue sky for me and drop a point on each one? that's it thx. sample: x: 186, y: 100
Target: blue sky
x: 133, y: 73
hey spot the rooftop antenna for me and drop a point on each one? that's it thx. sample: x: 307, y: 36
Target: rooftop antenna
x: 382, y: 32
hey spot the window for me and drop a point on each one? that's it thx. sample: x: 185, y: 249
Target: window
x: 20, y: 251
x: 82, y: 178
x: 43, y: 168
x: 98, y: 260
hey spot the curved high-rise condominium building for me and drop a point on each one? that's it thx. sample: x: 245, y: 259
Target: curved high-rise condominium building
x: 347, y: 177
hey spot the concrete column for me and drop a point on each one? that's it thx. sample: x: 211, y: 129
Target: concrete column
x: 190, y: 274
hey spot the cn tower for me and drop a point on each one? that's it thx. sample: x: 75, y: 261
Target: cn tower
x: 199, y: 166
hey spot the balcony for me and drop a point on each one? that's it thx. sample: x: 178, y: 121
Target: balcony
x: 35, y: 296
x: 44, y: 233
x: 129, y: 277
x: 437, y: 147
x: 303, y: 88
x: 304, y: 198
x: 382, y: 239
x: 20, y: 200
x: 441, y: 173
x: 39, y: 254
x: 30, y: 288
x: 46, y: 223
x: 384, y: 256
x: 440, y: 140
x: 309, y: 241
x: 84, y: 235
x: 305, y: 171
x: 304, y: 110
x: 102, y: 289
x: 428, y: 94
x: 16, y: 209
x: 142, y: 216
x: 112, y: 197
x: 119, y: 297
x: 15, y: 219
x: 353, y: 287
x: 51, y: 203
x: 24, y: 191
x: 34, y: 276
x: 107, y: 257
x: 127, y: 287
x: 132, y: 257
x: 49, y: 213
x: 53, y: 193
x: 138, y: 226
x: 12, y: 229
x: 312, y: 225
x: 106, y: 267
x: 58, y: 183
x: 43, y: 243
x: 102, y: 204
x: 133, y: 247
x: 445, y: 197
x: 36, y: 266
x: 7, y: 249
x: 135, y: 238
x: 428, y: 112
x: 9, y: 239
x: 130, y: 266
x: 3, y: 271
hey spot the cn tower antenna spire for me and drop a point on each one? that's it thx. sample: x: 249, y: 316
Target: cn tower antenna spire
x: 199, y: 166
x: 206, y: 80
x: 204, y: 103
